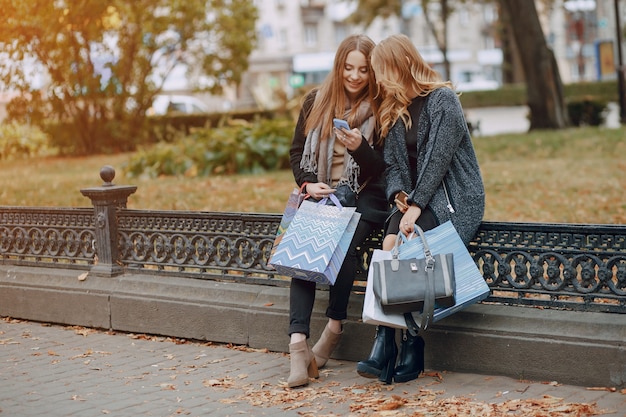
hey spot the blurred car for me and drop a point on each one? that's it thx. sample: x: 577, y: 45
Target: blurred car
x: 477, y: 84
x: 165, y: 104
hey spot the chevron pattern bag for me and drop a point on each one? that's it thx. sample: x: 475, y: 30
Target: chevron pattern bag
x: 316, y: 242
x: 293, y: 203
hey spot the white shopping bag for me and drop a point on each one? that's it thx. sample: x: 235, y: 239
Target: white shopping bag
x: 372, y: 311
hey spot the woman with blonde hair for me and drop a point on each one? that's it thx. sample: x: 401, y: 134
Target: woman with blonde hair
x: 432, y: 174
x: 323, y: 157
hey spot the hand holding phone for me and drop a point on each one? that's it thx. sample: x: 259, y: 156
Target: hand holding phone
x: 341, y: 124
x: 401, y: 202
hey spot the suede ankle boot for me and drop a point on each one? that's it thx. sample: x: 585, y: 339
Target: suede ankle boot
x: 382, y: 359
x: 303, y: 364
x: 411, y: 362
x: 325, y: 346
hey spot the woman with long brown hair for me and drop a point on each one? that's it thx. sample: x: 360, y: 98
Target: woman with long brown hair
x: 323, y: 157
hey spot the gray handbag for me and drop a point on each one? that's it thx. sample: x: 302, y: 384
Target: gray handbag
x: 415, y: 285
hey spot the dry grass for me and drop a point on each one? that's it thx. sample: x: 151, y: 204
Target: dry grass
x: 570, y: 176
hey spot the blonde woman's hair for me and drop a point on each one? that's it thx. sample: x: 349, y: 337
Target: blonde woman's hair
x: 331, y: 100
x: 401, y: 72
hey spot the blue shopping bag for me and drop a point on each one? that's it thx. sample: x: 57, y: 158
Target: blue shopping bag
x: 316, y: 241
x: 470, y: 284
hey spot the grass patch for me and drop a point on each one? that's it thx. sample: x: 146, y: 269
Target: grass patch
x: 564, y: 176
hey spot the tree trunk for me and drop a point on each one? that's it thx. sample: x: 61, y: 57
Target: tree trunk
x: 543, y: 82
x: 512, y: 72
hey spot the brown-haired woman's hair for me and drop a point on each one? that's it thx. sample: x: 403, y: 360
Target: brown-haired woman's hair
x: 331, y: 100
x: 402, y: 74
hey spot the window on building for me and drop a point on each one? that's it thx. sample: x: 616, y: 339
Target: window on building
x: 489, y: 13
x: 464, y: 17
x: 341, y: 32
x: 310, y: 35
x: 489, y: 42
x: 282, y: 39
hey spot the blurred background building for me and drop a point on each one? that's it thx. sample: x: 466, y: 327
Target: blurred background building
x: 297, y: 40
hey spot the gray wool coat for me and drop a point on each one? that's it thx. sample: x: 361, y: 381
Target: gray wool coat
x: 446, y: 156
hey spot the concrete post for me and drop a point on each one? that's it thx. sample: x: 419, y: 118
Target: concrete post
x: 106, y: 199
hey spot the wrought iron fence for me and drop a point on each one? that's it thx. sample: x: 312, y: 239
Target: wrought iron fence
x: 581, y: 267
x: 45, y: 236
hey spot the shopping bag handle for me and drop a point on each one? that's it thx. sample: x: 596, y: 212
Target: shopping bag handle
x: 333, y: 198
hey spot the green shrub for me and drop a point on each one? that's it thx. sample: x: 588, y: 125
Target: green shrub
x: 515, y: 94
x: 237, y: 147
x: 168, y: 127
x: 586, y: 112
x: 23, y: 141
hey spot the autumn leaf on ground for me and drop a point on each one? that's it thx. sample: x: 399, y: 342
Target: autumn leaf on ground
x: 83, y: 331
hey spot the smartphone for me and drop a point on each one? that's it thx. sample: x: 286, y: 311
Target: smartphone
x: 401, y: 202
x: 341, y: 124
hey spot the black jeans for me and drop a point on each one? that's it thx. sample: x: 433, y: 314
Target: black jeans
x: 302, y: 293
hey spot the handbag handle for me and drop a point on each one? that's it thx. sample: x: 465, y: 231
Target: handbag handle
x: 430, y: 259
x: 427, y: 313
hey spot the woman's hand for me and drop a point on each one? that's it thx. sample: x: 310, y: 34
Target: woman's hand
x: 350, y: 138
x: 409, y: 219
x: 318, y: 190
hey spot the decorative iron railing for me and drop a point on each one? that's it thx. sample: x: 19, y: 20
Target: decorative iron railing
x: 570, y: 266
x: 581, y: 267
x: 41, y: 236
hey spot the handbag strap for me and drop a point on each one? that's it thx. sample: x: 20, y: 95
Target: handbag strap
x: 427, y: 314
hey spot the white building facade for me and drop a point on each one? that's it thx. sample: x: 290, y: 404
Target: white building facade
x: 298, y: 39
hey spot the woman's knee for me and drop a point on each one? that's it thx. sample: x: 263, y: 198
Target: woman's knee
x: 389, y: 241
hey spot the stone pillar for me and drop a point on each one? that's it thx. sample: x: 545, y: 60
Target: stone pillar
x: 106, y: 200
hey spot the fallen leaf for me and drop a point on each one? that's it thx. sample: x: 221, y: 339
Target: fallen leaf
x: 83, y: 276
x: 609, y: 389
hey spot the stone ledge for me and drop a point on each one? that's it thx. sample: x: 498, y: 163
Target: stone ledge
x: 579, y: 348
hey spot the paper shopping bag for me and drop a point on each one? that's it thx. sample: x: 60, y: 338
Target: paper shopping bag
x: 470, y: 284
x: 316, y: 242
x: 293, y: 203
x: 372, y: 310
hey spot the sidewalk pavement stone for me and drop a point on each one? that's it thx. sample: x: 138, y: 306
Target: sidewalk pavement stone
x: 60, y: 371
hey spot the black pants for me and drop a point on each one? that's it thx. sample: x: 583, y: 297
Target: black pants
x: 302, y: 293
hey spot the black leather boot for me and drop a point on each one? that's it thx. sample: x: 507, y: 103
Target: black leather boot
x: 411, y: 363
x: 382, y: 359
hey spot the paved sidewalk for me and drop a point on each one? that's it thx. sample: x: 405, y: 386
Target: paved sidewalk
x: 48, y: 370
